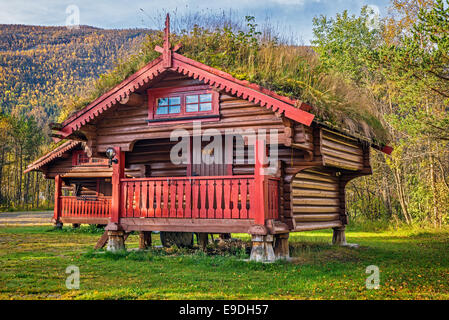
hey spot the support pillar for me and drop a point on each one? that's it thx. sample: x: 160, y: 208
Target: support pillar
x: 224, y: 236
x: 281, y: 250
x: 144, y: 240
x: 339, y: 237
x: 116, y: 241
x: 203, y: 239
x: 57, y: 209
x: 262, y: 249
x: 260, y: 182
x: 116, y: 235
x: 118, y: 173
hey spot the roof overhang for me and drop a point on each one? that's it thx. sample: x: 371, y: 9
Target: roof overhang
x: 52, y: 155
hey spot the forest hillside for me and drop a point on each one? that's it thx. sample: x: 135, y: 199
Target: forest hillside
x: 41, y: 68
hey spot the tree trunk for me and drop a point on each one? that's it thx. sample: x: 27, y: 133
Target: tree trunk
x: 401, y: 194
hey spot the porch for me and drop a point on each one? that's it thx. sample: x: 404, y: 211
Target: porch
x: 206, y: 204
x: 215, y: 204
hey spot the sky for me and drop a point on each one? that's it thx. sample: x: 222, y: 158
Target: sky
x: 292, y: 18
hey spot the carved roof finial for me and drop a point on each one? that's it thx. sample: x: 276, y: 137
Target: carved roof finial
x: 167, y: 51
x: 167, y: 44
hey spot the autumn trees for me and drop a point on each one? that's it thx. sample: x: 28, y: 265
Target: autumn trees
x: 40, y: 69
x: 403, y: 64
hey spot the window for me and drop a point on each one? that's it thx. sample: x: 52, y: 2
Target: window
x: 168, y: 105
x: 182, y: 104
x: 199, y: 102
x: 79, y: 157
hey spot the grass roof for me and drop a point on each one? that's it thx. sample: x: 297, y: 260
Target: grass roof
x: 293, y: 71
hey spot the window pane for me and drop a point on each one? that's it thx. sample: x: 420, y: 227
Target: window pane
x: 175, y: 109
x: 162, y: 101
x: 192, y: 108
x: 206, y: 97
x: 175, y: 100
x: 205, y: 106
x: 162, y: 110
x: 191, y: 99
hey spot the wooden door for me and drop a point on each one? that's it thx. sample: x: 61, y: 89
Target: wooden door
x: 217, y: 168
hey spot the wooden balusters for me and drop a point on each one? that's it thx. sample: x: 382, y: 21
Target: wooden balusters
x: 84, y: 207
x: 228, y: 197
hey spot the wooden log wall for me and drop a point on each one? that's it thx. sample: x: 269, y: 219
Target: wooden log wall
x: 341, y: 151
x: 88, y: 187
x: 316, y: 199
x: 64, y: 167
x: 155, y: 154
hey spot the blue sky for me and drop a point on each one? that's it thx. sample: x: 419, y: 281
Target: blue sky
x: 291, y: 17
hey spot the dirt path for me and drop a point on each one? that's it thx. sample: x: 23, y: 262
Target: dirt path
x: 26, y: 217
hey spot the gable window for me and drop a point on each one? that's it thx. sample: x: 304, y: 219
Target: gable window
x: 168, y: 105
x: 183, y: 104
x: 79, y: 158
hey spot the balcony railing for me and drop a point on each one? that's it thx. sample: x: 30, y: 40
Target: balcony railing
x: 85, y: 207
x: 246, y: 197
x: 220, y: 197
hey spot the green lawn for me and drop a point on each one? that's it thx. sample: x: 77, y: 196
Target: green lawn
x: 413, y: 265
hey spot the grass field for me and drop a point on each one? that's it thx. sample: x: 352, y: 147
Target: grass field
x: 413, y: 265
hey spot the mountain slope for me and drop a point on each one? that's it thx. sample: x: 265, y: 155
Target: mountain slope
x: 40, y: 67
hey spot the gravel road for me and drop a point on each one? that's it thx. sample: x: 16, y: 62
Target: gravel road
x: 26, y: 217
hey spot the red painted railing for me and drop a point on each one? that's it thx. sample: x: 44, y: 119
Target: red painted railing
x: 99, y: 207
x: 225, y: 197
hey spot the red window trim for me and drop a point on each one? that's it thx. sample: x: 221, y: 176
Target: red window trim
x: 183, y: 116
x: 75, y: 157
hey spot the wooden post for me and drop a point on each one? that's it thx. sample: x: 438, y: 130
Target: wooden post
x: 203, y: 239
x: 260, y: 181
x: 118, y: 172
x: 281, y: 250
x: 57, y: 209
x: 339, y: 237
x: 144, y: 240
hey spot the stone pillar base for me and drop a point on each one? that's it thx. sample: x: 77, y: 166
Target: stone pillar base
x: 144, y: 240
x: 262, y: 250
x: 339, y: 237
x: 116, y: 241
x: 281, y: 250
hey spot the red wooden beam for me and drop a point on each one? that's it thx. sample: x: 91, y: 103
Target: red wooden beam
x: 118, y: 172
x: 260, y: 182
x: 57, y: 209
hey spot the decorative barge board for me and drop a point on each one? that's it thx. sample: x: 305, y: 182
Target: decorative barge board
x: 117, y: 168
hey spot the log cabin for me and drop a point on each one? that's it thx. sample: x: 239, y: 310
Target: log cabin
x: 150, y: 155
